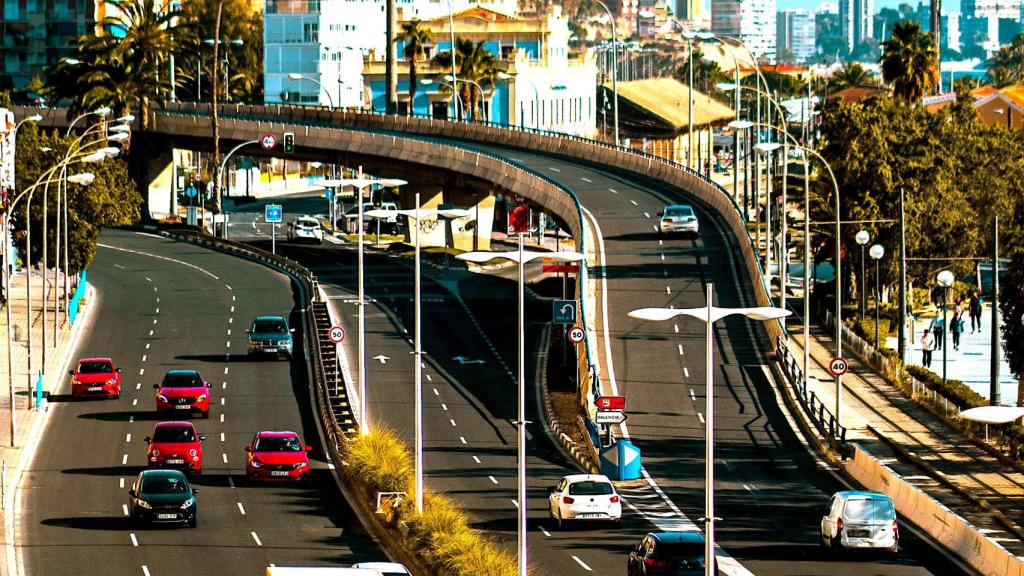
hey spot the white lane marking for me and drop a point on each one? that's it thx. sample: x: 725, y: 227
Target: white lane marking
x: 221, y: 418
x: 514, y: 503
x: 231, y: 481
x: 147, y: 345
x: 228, y: 286
x: 256, y: 538
x: 135, y: 401
x: 229, y: 332
x: 680, y: 349
x: 225, y: 369
x: 128, y: 437
x: 154, y: 320
x: 544, y: 531
x: 241, y: 509
x: 124, y: 508
x: 676, y: 328
x: 232, y: 297
x: 222, y: 401
x: 585, y: 179
x: 647, y: 214
x: 142, y: 371
x: 223, y: 385
x: 668, y: 289
x: 475, y: 459
x: 583, y: 564
x: 119, y: 266
x: 155, y: 289
x: 230, y: 320
x: 225, y: 456
x: 429, y: 379
x: 150, y: 332
x: 693, y: 397
x: 138, y: 385
x: 157, y: 299
x: 131, y: 418
x: 145, y: 570
x: 700, y: 417
x: 553, y: 169
x: 613, y: 190
x: 661, y: 242
x: 135, y: 541
x: 229, y: 343
x: 686, y: 372
x: 436, y: 393
x: 662, y: 257
x: 232, y: 309
x: 144, y: 357
x: 462, y: 439
x: 444, y: 407
x: 452, y: 421
x: 157, y: 310
x: 633, y: 202
x: 493, y: 479
x: 121, y: 483
x: 221, y: 436
x: 124, y: 459
x: 148, y: 279
x: 193, y: 266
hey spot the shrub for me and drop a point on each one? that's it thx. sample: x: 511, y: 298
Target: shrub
x: 380, y: 461
x: 956, y: 391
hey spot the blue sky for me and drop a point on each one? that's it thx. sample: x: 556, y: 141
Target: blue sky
x: 811, y: 5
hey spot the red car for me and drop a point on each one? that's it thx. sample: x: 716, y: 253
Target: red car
x: 96, y: 377
x: 277, y: 456
x: 183, y: 391
x: 175, y: 445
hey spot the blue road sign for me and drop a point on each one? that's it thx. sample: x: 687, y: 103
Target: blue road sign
x: 563, y: 312
x: 273, y: 213
x: 329, y: 193
x: 190, y: 192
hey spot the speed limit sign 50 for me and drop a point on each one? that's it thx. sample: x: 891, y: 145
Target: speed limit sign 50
x: 838, y: 366
x: 575, y: 334
x: 336, y: 334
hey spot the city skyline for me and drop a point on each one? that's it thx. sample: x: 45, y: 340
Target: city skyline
x: 812, y: 5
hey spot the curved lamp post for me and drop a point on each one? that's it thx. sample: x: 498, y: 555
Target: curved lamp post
x: 876, y: 252
x: 521, y: 257
x: 224, y: 188
x: 457, y: 103
x: 945, y: 279
x: 615, y: 65
x: 297, y: 76
x: 862, y: 239
x: 709, y: 315
x: 418, y: 214
x: 768, y: 149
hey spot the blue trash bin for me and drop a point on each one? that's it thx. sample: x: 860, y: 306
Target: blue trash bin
x: 621, y: 460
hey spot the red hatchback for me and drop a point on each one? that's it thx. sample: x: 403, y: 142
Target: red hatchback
x: 175, y: 445
x: 96, y: 377
x: 183, y: 391
x: 277, y: 456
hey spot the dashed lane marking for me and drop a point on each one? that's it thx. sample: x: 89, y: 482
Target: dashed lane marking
x: 128, y: 437
x: 475, y: 459
x: 613, y: 190
x: 135, y: 541
x: 700, y: 417
x: 544, y: 531
x: 514, y: 503
x: 492, y: 479
x: 145, y: 570
x: 231, y: 482
x: 256, y: 538
x: 436, y: 393
x: 124, y: 508
x: 221, y: 436
x: 241, y: 509
x: 124, y: 459
x: 453, y: 422
x: 120, y: 483
x: 680, y: 347
x: 582, y: 563
x: 686, y: 372
x: 444, y: 407
x: 144, y: 357
x: 462, y: 439
x: 225, y: 456
x: 633, y: 202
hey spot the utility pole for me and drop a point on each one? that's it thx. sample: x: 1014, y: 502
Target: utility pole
x: 213, y: 115
x: 994, y: 382
x: 902, y: 334
x: 390, y: 64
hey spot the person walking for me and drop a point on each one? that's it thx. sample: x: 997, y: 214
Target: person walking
x: 938, y: 325
x: 974, y: 309
x: 956, y: 326
x: 927, y: 345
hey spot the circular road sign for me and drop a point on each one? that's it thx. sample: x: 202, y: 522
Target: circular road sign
x: 337, y: 334
x: 575, y: 334
x: 838, y: 366
x: 268, y: 141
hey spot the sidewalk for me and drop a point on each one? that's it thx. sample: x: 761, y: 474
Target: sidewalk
x: 27, y: 421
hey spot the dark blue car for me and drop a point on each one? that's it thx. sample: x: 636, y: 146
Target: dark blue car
x: 668, y: 554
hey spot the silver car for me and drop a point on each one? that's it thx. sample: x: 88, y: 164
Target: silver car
x: 860, y: 519
x: 305, y: 228
x: 679, y: 218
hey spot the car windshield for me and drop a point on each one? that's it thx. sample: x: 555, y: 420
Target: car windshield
x: 269, y: 326
x: 164, y: 485
x: 680, y: 550
x: 277, y: 444
x: 174, y: 434
x: 590, y: 488
x: 678, y: 211
x: 869, y: 510
x: 95, y: 367
x: 182, y: 380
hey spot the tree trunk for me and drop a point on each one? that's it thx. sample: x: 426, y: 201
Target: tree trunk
x: 391, y: 92
x: 412, y: 84
x: 216, y: 125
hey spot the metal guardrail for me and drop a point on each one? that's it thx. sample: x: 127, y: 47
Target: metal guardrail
x: 822, y: 417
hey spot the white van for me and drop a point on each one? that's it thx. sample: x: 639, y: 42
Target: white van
x: 320, y: 571
x: 862, y: 520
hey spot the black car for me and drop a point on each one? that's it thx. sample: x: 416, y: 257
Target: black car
x: 162, y: 496
x: 28, y: 98
x: 668, y: 554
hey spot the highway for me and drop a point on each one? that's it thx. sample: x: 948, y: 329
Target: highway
x: 162, y: 305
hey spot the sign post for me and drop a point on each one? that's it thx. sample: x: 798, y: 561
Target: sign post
x: 273, y: 214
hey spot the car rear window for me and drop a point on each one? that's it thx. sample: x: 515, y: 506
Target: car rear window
x: 869, y: 510
x: 182, y: 380
x: 590, y: 488
x: 95, y: 367
x: 680, y: 550
x: 163, y: 485
x: 309, y: 223
x: 269, y: 326
x: 174, y: 434
x: 277, y: 444
x: 679, y: 211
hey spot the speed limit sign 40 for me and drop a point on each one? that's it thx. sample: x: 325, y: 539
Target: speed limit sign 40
x: 337, y: 334
x: 575, y: 334
x: 838, y: 366
x: 268, y: 141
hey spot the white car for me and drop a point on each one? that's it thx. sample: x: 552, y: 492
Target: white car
x: 385, y: 568
x: 860, y: 519
x: 679, y: 218
x: 305, y: 228
x: 584, y: 497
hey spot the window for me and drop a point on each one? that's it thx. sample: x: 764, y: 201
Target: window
x: 311, y: 32
x: 590, y: 488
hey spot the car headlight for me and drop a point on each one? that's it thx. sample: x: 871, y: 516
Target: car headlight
x: 192, y: 452
x: 300, y: 465
x: 112, y: 381
x: 155, y: 453
x: 201, y: 398
x: 162, y: 397
x: 145, y: 504
x: 188, y: 503
x: 257, y: 464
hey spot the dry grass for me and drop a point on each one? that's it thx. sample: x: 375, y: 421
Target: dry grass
x: 380, y: 461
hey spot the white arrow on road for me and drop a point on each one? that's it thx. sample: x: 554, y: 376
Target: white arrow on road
x: 464, y: 360
x: 383, y: 359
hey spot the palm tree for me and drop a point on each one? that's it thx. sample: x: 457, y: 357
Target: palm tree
x: 416, y: 37
x: 850, y: 75
x: 1006, y: 67
x: 477, y: 68
x: 910, y: 62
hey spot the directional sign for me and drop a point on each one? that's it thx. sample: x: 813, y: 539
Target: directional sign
x: 563, y: 312
x: 463, y: 360
x: 611, y: 403
x: 576, y: 334
x: 337, y: 334
x: 609, y: 417
x: 559, y: 268
x: 329, y: 193
x: 838, y: 366
x: 268, y: 141
x: 273, y: 213
x: 191, y: 192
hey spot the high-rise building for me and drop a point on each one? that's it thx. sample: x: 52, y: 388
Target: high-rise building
x: 752, y: 21
x: 689, y: 10
x: 1009, y: 9
x: 857, y: 20
x: 796, y: 33
x: 34, y: 34
x: 950, y: 32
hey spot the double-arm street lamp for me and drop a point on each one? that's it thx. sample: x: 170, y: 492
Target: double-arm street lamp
x: 227, y: 65
x: 709, y: 315
x: 417, y: 214
x: 946, y: 279
x: 521, y: 257
x: 615, y: 74
x: 876, y: 252
x: 862, y: 239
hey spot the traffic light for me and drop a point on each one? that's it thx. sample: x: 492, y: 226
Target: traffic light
x: 289, y: 142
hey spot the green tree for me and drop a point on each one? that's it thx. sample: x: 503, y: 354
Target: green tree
x: 850, y: 75
x: 416, y: 37
x: 194, y: 56
x: 474, y: 63
x: 1006, y: 66
x: 1011, y: 306
x: 910, y: 62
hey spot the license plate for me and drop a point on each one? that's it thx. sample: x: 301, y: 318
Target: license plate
x: 590, y: 515
x: 175, y: 461
x: 858, y: 533
x: 95, y: 388
x: 279, y: 473
x: 183, y: 407
x: 166, y: 516
x: 270, y: 349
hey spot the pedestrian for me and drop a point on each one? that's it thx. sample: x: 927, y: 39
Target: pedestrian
x: 938, y: 325
x: 956, y: 326
x: 927, y: 345
x: 975, y: 311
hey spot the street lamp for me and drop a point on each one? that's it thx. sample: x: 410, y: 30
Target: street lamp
x: 737, y: 126
x: 297, y: 76
x: 456, y: 98
x: 768, y: 148
x: 945, y: 279
x: 227, y: 64
x: 221, y: 189
x: 709, y: 315
x: 862, y: 239
x: 615, y: 65
x: 521, y: 257
x: 876, y: 252
x: 418, y: 214
x: 536, y: 97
